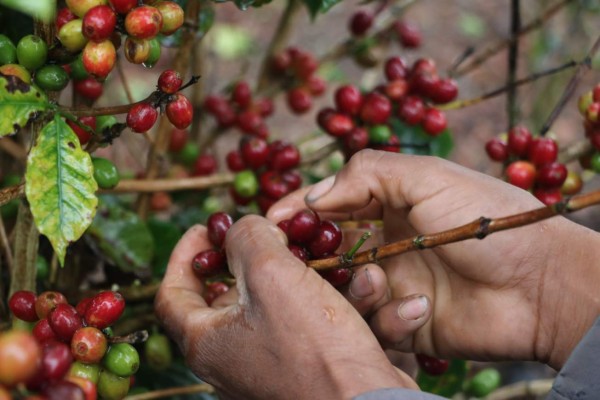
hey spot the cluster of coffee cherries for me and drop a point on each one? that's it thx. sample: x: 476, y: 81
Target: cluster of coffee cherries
x: 362, y: 120
x: 143, y: 115
x: 68, y: 354
x: 431, y: 365
x: 407, y: 32
x: 589, y: 107
x: 94, y: 26
x: 264, y: 171
x: 188, y: 153
x: 240, y: 110
x: 296, y: 68
x: 531, y: 164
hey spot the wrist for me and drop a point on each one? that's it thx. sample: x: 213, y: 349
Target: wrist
x: 569, y: 302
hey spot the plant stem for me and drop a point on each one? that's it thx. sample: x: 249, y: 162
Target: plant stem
x: 477, y: 229
x: 14, y: 149
x: 26, y: 248
x: 170, y: 185
x: 8, y: 255
x: 132, y: 338
x: 496, y: 47
x: 513, y: 56
x: 157, y: 394
x: 457, y: 104
x: 349, y: 255
x: 278, y: 42
x: 580, y: 72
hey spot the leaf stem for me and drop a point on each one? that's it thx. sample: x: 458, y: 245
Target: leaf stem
x: 349, y: 255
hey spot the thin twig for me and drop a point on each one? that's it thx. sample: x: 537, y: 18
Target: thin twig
x: 157, y: 394
x: 170, y: 185
x: 477, y: 229
x: 513, y: 56
x: 583, y: 68
x: 496, y: 47
x: 10, y: 193
x: 132, y: 338
x: 540, y: 387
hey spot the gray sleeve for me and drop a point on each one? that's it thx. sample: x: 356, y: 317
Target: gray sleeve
x: 580, y: 376
x: 396, y: 394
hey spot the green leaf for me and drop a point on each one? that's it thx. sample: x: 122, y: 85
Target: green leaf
x: 319, y: 6
x: 447, y: 384
x: 40, y: 9
x: 60, y: 186
x: 19, y: 104
x: 177, y: 375
x: 166, y: 234
x: 122, y: 236
x: 414, y: 140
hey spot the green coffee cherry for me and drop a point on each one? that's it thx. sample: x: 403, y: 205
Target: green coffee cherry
x: 51, y: 78
x: 595, y: 162
x: 245, y: 183
x: 105, y: 173
x: 111, y: 386
x: 78, y: 71
x: 122, y: 359
x: 483, y: 383
x: 189, y: 153
x: 32, y: 52
x: 41, y: 268
x: 8, y: 51
x: 158, y: 351
x: 105, y: 122
x: 90, y: 372
x: 380, y: 134
x: 154, y: 54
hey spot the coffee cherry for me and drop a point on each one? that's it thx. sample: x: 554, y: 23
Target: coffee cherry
x: 99, y: 23
x: 104, y: 309
x: 51, y: 78
x: 22, y: 305
x: 56, y: 361
x: 356, y: 140
x: 83, y: 135
x: 235, y: 162
x: 81, y: 7
x: 395, y: 68
x: 63, y: 16
x: 316, y: 85
x: 348, y: 99
x: 64, y: 321
x: 160, y: 201
x: 111, y: 386
x: 497, y: 149
x: 177, y: 140
x: 99, y: 58
x: 299, y: 100
x: 338, y: 125
x: 17, y: 71
x: 265, y: 203
x: 272, y: 185
x: 123, y: 6
x: 299, y: 252
x: 264, y: 107
x: 444, y: 91
x: 483, y: 383
x: 572, y: 185
x: 205, y: 165
x: 286, y: 158
x: 249, y: 121
x: 158, y: 351
x: 542, y: 151
x: 380, y: 133
x: 376, y: 109
x: 88, y: 387
x: 551, y: 175
x: 241, y: 94
x: 32, y: 52
x: 88, y: 345
x: 393, y: 145
x: 519, y: 139
x: 592, y: 114
x: 172, y: 16
x: 326, y: 241
x: 43, y: 332
x: 20, y: 357
x: 423, y: 84
x: 521, y: 174
x: 304, y: 64
x: 106, y: 173
x: 431, y: 365
x: 136, y: 51
x: 245, y: 185
x: 169, y: 81
x: 89, y: 88
x: 411, y: 110
x: 303, y: 227
x: 548, y: 196
x: 408, y: 33
x: 71, y: 36
x: 180, y: 111
x: 217, y: 226
x: 434, y: 122
x: 122, y: 359
x: 255, y: 151
x: 90, y: 372
x: 338, y: 277
x: 396, y: 89
x: 214, y: 290
x: 360, y: 22
x: 143, y: 22
x: 424, y: 65
x: 47, y: 301
x: 208, y: 263
x: 141, y: 117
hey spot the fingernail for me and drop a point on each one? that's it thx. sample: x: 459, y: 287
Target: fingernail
x: 320, y: 189
x: 361, y: 285
x: 413, y: 307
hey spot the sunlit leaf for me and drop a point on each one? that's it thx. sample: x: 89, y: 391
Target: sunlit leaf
x: 40, y: 9
x: 19, y: 104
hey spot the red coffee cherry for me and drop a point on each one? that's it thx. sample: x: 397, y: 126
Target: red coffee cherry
x: 235, y: 162
x: 286, y: 158
x: 397, y: 89
x: 46, y: 302
x: 360, y: 22
x: 241, y: 94
x: 64, y: 321
x: 43, y: 332
x: 180, y: 111
x: 169, y: 81
x: 326, y: 241
x: 89, y: 88
x: 63, y: 16
x: 205, y: 165
x: 395, y: 68
x: 303, y: 227
x: 411, y: 110
x: 64, y: 389
x: 431, y: 365
x: 255, y: 151
x: 293, y: 179
x: 299, y: 100
x: 249, y: 121
x: 208, y: 263
x: 521, y: 174
x: 338, y: 277
x: 214, y: 290
x: 89, y: 345
x: 348, y: 99
x: 519, y: 139
x: 177, y: 140
x: 434, y: 122
x: 83, y: 135
x: 56, y: 361
x: 299, y: 252
x: 496, y: 149
x: 548, y: 196
x: 141, y: 117
x: 316, y: 85
x: 542, y: 151
x: 143, y: 22
x: 22, y: 305
x: 20, y: 357
x: 123, y: 6
x: 304, y: 64
x: 217, y: 226
x: 376, y: 109
x: 551, y: 176
x: 356, y: 140
x: 104, y: 309
x: 99, y: 58
x: 338, y: 125
x: 273, y: 186
x: 99, y: 23
x: 444, y: 91
x: 408, y: 33
x: 172, y: 16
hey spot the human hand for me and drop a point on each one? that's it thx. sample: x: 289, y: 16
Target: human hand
x: 288, y: 335
x: 520, y: 294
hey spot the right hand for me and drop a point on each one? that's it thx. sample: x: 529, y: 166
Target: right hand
x: 514, y: 295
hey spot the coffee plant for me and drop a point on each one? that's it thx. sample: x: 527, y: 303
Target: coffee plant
x: 211, y: 133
